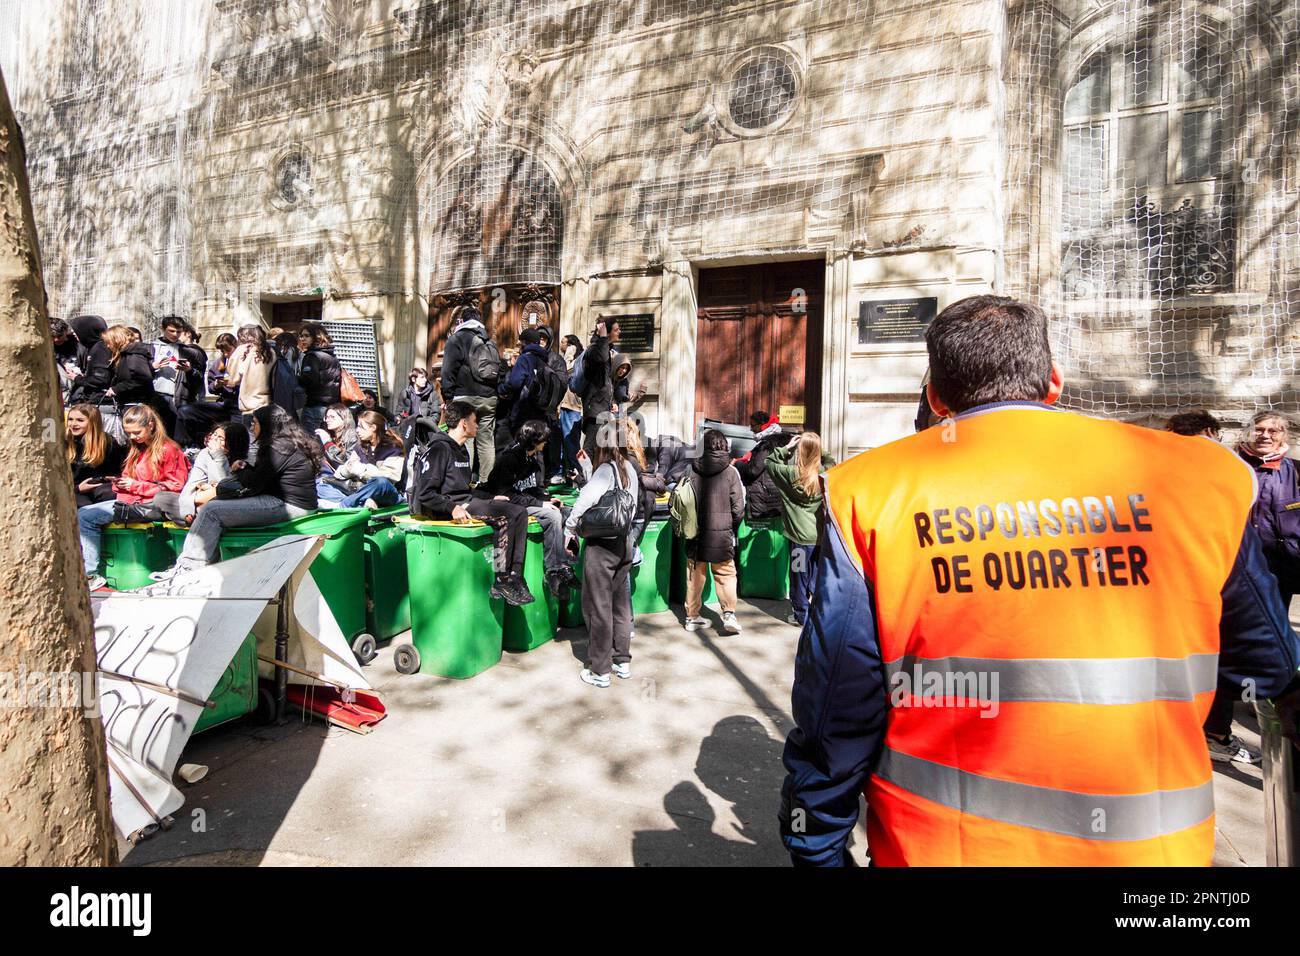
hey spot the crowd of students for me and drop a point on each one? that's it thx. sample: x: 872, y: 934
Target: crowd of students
x: 261, y: 433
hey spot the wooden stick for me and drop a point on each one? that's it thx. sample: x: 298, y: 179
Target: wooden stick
x: 298, y: 670
x: 162, y: 689
x: 130, y: 786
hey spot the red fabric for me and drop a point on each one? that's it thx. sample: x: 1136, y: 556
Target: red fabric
x: 174, y: 472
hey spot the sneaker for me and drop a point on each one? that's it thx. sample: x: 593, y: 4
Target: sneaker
x: 572, y: 579
x: 623, y: 670
x: 162, y: 577
x: 555, y: 581
x: 95, y: 581
x: 516, y: 591
x: 372, y: 504
x: 1232, y: 750
x: 729, y: 622
x: 595, y: 680
x: 695, y: 623
x: 498, y: 590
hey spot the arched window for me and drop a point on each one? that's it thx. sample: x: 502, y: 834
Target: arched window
x: 1149, y: 170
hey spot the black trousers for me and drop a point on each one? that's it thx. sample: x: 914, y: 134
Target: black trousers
x: 607, y: 602
x: 509, y: 523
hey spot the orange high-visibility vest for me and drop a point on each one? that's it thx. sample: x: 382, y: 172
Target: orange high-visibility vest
x: 1047, y: 591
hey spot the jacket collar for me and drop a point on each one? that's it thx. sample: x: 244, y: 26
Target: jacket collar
x: 988, y: 407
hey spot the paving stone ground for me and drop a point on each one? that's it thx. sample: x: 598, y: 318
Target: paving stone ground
x: 525, y: 764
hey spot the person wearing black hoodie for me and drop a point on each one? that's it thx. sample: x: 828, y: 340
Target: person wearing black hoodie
x: 69, y: 356
x: 719, y: 506
x: 320, y: 375
x: 438, y: 478
x: 96, y: 375
x: 279, y: 487
x: 420, y: 397
x: 762, y: 500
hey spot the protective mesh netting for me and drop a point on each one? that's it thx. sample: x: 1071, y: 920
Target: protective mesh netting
x: 1148, y: 172
x: 1173, y: 260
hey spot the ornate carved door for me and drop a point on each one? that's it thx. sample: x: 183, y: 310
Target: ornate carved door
x: 506, y: 310
x: 758, y: 342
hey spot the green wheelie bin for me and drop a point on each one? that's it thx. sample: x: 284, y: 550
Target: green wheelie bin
x: 571, y: 609
x: 532, y: 625
x: 236, y: 692
x: 129, y: 553
x: 388, y: 596
x: 339, y: 569
x: 763, y: 561
x: 456, y: 626
x: 652, y: 579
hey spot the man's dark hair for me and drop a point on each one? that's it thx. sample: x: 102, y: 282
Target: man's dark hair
x: 455, y: 412
x: 469, y: 313
x: 989, y: 348
x: 1193, y: 423
x: 530, y: 336
x: 59, y: 327
x: 757, y: 420
x: 172, y: 322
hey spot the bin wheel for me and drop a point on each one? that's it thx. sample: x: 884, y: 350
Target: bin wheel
x: 166, y: 823
x: 364, y: 647
x: 142, y: 834
x: 265, y: 706
x: 406, y: 659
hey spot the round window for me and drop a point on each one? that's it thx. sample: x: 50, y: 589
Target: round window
x: 293, y: 178
x: 763, y: 91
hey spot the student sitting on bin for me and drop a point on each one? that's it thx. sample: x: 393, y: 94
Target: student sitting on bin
x: 226, y: 444
x: 516, y: 475
x: 438, y: 473
x: 152, y: 476
x: 280, y: 485
x: 372, y: 473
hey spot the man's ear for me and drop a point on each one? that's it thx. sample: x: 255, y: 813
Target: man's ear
x: 936, y: 403
x: 1057, y: 385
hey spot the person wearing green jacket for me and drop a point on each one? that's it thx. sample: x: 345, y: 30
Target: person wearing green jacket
x: 795, y: 470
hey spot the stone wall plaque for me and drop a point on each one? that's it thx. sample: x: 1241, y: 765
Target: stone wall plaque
x: 894, y: 320
x: 637, y: 332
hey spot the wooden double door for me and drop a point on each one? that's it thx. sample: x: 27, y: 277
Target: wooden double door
x: 507, y: 310
x: 759, y: 342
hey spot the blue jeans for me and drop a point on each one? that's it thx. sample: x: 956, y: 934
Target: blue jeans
x: 203, y: 543
x: 572, y: 437
x: 382, y: 490
x: 802, y: 578
x: 90, y: 522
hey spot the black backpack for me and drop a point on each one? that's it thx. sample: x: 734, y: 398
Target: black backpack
x: 416, y: 467
x: 547, y: 389
x: 484, y: 360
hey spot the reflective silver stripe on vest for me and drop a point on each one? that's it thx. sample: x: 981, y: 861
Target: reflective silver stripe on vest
x: 1091, y: 816
x: 1123, y: 680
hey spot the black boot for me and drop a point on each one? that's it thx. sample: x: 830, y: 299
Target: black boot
x: 517, y: 592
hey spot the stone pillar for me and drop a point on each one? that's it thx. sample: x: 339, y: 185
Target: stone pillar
x: 837, y: 322
x: 678, y: 320
x: 575, y: 306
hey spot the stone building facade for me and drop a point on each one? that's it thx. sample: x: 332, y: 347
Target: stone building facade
x: 774, y: 195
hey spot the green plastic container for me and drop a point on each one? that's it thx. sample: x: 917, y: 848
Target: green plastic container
x: 652, y: 579
x: 678, y: 589
x: 455, y: 625
x: 340, y: 568
x: 236, y: 692
x: 129, y: 553
x: 763, y: 568
x: 388, y: 596
x: 571, y: 610
x: 532, y: 625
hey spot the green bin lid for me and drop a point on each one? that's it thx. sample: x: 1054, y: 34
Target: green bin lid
x: 470, y: 529
x: 329, y: 522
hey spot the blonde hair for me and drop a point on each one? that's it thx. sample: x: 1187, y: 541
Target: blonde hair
x: 808, y: 459
x: 635, y: 449
x: 94, y: 443
x: 117, y: 338
x: 158, y: 440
